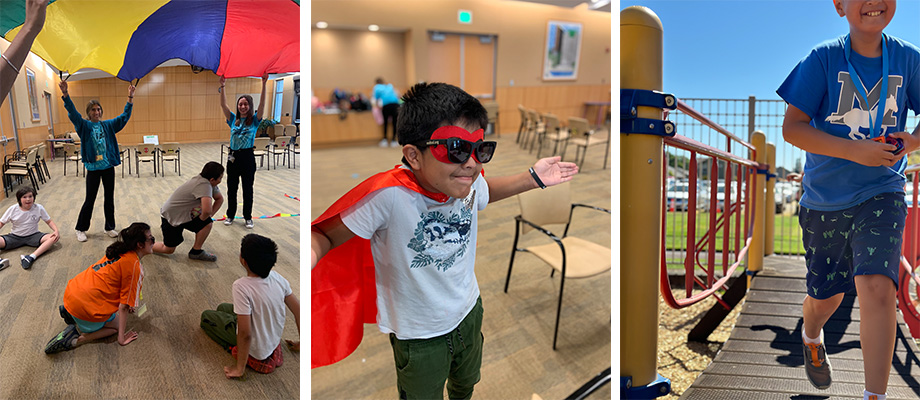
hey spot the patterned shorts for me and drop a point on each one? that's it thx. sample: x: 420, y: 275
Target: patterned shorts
x: 265, y: 366
x: 862, y: 240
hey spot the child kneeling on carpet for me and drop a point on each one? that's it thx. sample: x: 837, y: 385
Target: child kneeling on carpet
x: 98, y: 300
x: 25, y: 217
x: 253, y: 324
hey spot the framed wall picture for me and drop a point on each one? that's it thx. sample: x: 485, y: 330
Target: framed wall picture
x: 33, y: 98
x: 563, y: 47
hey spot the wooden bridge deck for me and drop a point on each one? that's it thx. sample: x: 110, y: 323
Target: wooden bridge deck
x: 763, y: 357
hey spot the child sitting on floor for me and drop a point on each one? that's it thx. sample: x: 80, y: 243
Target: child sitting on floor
x: 24, y: 217
x: 253, y: 324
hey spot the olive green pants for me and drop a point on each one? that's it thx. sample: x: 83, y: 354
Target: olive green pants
x: 424, y: 365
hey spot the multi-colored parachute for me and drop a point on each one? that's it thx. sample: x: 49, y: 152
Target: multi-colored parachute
x: 129, y: 39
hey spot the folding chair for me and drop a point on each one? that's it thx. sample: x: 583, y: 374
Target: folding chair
x: 145, y: 153
x: 571, y: 256
x: 72, y: 153
x: 170, y: 152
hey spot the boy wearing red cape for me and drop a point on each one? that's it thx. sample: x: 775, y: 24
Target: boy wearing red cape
x: 399, y: 249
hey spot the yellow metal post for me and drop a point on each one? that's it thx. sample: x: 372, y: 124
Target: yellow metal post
x: 641, y: 168
x: 770, y: 206
x: 758, y: 195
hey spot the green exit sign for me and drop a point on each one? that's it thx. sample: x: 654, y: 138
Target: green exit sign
x: 465, y: 16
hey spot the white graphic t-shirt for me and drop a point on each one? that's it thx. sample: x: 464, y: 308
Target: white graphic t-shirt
x: 424, y: 253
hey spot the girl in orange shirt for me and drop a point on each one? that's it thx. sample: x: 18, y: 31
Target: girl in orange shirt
x: 97, y: 300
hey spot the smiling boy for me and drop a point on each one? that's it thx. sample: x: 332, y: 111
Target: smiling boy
x: 848, y: 91
x: 25, y: 216
x: 421, y: 223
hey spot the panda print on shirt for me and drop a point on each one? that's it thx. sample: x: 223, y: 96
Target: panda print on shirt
x: 440, y: 239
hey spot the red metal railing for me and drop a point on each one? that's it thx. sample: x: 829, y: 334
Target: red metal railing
x: 910, y: 249
x: 739, y: 172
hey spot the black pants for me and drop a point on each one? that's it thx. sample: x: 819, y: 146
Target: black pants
x: 389, y: 114
x: 107, y: 177
x: 243, y: 167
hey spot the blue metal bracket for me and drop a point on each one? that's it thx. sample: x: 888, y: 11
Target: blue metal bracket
x: 631, y: 99
x: 766, y: 171
x: 661, y: 386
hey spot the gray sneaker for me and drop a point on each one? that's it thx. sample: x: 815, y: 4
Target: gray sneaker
x: 817, y: 366
x: 203, y: 256
x: 4, y: 263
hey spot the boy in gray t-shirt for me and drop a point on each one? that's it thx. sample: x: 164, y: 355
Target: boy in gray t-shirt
x: 190, y: 207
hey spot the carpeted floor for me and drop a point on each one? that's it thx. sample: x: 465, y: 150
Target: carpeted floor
x: 172, y: 357
x: 518, y: 360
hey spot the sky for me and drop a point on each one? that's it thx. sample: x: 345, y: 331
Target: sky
x: 735, y: 49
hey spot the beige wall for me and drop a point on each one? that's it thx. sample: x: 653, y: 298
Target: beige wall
x: 171, y: 102
x: 520, y: 26
x: 351, y: 60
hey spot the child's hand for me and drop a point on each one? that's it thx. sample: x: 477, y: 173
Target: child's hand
x: 552, y: 171
x: 55, y: 236
x: 129, y: 337
x: 873, y: 154
x: 911, y: 142
x: 294, y: 345
x: 232, y: 372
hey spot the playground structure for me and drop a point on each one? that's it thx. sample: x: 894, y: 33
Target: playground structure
x: 740, y: 224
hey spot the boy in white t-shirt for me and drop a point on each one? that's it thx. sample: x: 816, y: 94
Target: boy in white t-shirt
x: 254, y: 322
x: 421, y: 221
x: 25, y: 217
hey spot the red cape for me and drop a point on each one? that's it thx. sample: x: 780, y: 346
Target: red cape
x: 343, y: 290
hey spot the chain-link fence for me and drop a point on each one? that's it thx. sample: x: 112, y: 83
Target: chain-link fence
x: 742, y: 117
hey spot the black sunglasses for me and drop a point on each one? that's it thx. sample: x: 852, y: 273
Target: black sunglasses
x: 459, y: 150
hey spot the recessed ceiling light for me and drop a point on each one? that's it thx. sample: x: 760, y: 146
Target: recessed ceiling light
x: 373, y: 28
x: 322, y: 25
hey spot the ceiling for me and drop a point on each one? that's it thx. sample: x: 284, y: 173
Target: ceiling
x: 597, y: 5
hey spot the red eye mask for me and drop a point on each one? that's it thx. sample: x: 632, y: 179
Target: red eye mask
x: 454, y: 145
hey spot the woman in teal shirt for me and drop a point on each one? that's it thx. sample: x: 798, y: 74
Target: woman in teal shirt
x: 241, y: 163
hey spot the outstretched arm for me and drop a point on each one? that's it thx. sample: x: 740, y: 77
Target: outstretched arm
x: 326, y: 236
x: 223, y: 99
x: 293, y: 304
x: 262, y: 99
x: 551, y: 171
x: 15, y: 55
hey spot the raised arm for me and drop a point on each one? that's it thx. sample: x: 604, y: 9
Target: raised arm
x: 293, y: 304
x: 262, y: 99
x: 223, y: 100
x: 551, y: 171
x: 75, y: 117
x: 326, y: 236
x: 119, y: 122
x: 15, y: 55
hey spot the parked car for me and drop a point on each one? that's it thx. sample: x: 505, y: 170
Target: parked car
x: 678, y: 195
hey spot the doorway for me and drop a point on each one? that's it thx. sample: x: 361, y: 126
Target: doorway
x: 467, y: 61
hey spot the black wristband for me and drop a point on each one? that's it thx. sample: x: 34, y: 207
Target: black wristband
x: 537, y: 179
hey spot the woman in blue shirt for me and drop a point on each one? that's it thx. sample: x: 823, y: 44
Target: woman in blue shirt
x: 241, y: 163
x: 100, y: 155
